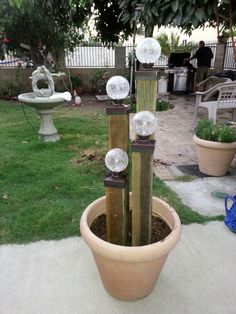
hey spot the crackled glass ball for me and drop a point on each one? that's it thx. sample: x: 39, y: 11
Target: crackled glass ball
x: 148, y: 50
x: 117, y: 87
x: 116, y: 160
x: 144, y: 123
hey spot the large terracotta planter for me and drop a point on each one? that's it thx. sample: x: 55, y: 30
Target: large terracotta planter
x: 214, y: 158
x: 130, y: 273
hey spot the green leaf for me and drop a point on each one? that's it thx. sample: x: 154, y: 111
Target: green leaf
x: 175, y: 5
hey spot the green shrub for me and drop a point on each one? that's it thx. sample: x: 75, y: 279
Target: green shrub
x: 131, y: 102
x: 162, y: 105
x: 99, y: 80
x: 206, y: 130
x: 76, y: 81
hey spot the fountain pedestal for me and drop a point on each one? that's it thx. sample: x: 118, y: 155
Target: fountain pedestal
x: 47, y: 130
x: 45, y: 108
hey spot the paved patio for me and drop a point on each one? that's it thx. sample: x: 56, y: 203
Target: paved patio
x: 174, y: 135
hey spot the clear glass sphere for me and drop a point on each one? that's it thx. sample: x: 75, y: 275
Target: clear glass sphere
x: 117, y: 87
x: 116, y: 160
x: 144, y: 123
x: 148, y: 50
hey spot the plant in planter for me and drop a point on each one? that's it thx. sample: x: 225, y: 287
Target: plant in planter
x: 129, y: 258
x: 216, y: 147
x: 163, y: 105
x: 99, y: 81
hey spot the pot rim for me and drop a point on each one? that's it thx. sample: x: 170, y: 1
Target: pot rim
x: 131, y: 253
x: 212, y: 144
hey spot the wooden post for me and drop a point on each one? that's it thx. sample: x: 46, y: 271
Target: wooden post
x: 118, y: 125
x: 142, y: 163
x: 142, y: 177
x: 146, y: 82
x: 117, y: 193
x: 116, y: 209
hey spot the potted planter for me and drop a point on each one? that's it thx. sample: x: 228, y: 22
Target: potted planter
x: 216, y: 147
x: 130, y: 272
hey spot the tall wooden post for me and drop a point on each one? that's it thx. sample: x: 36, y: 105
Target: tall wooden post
x: 142, y: 163
x: 142, y: 177
x: 117, y: 188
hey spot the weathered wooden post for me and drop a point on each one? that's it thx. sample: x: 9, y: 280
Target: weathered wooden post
x: 117, y: 187
x: 143, y: 147
x: 142, y: 177
x: 116, y: 206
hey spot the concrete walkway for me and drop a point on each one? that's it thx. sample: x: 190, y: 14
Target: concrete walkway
x: 60, y: 277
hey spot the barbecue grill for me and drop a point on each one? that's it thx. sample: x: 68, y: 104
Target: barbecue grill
x: 181, y: 73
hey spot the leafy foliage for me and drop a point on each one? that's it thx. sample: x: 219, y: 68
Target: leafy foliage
x: 99, y: 81
x: 109, y: 27
x: 172, y: 44
x: 206, y: 130
x: 76, y: 80
x: 43, y: 24
x: 186, y: 14
x: 162, y: 105
x: 60, y: 24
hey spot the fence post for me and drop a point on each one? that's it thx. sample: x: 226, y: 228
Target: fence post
x: 220, y: 57
x: 120, y: 57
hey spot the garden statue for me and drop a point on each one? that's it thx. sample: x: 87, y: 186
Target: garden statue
x: 42, y: 75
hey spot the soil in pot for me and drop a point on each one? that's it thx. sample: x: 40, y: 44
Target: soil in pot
x: 160, y: 229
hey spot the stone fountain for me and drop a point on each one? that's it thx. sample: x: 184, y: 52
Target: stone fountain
x: 44, y: 100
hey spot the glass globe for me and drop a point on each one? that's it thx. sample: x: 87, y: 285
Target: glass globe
x: 116, y: 160
x: 148, y: 50
x: 117, y: 87
x: 144, y: 123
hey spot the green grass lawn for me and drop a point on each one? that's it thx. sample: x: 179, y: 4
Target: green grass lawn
x: 44, y: 187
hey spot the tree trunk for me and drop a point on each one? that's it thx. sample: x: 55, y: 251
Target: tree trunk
x: 149, y: 30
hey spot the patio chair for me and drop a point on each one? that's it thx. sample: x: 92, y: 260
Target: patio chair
x: 226, y: 99
x: 210, y: 82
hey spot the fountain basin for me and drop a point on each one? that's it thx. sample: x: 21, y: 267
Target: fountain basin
x: 41, y: 103
x: 44, y: 107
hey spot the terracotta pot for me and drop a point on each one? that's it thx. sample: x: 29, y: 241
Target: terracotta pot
x: 130, y: 273
x: 214, y: 158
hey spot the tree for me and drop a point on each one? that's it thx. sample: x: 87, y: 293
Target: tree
x: 172, y: 44
x: 110, y: 29
x: 186, y: 14
x: 44, y: 24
